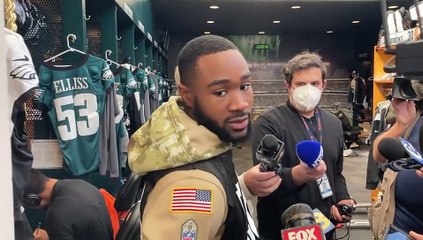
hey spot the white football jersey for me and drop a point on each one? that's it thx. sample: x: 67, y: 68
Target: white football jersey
x: 20, y: 69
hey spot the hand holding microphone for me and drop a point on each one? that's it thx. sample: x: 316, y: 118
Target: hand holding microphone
x: 310, y: 154
x: 270, y: 152
x: 261, y: 183
x: 343, y: 210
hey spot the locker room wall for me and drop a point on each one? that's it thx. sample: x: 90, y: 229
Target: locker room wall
x: 339, y: 50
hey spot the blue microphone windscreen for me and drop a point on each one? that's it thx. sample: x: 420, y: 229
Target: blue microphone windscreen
x: 310, y: 152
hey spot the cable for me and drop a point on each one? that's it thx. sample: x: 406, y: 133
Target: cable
x: 347, y: 234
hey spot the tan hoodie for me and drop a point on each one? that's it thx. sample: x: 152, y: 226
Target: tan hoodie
x: 170, y: 138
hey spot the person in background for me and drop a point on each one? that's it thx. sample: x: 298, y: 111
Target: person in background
x: 75, y: 209
x: 301, y: 119
x: 407, y: 214
x: 184, y: 151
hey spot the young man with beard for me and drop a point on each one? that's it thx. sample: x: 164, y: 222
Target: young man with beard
x: 190, y: 188
x: 297, y: 120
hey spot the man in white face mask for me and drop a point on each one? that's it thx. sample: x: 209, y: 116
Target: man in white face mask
x: 297, y: 120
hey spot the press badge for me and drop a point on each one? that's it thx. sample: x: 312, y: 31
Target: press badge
x: 324, y: 187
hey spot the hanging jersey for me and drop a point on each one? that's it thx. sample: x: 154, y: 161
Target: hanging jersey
x: 75, y: 96
x: 20, y: 71
x: 142, y: 85
x: 125, y: 87
x: 147, y: 107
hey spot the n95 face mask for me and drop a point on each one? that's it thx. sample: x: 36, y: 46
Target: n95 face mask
x: 306, y: 98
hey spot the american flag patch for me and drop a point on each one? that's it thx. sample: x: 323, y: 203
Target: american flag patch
x: 191, y: 200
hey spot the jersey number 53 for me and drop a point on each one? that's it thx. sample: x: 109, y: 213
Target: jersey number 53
x: 77, y: 115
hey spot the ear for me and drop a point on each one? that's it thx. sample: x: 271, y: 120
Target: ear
x: 324, y: 84
x: 287, y: 85
x: 186, y: 95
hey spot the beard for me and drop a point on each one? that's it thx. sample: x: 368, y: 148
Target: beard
x: 222, y: 133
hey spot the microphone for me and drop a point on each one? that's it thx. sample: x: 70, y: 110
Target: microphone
x: 299, y: 222
x: 311, y: 153
x: 401, y: 154
x: 270, y: 152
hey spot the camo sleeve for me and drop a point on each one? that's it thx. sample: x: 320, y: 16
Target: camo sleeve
x: 188, y: 204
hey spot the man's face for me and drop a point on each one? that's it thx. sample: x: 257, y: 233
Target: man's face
x: 312, y: 76
x: 222, y: 96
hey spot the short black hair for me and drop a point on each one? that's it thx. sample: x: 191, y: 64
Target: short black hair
x: 196, y: 48
x: 36, y: 183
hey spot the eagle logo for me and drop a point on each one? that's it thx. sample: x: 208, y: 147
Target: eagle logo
x: 24, y: 72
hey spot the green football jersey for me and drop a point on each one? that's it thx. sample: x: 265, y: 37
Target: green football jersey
x: 125, y: 87
x: 75, y: 98
x: 141, y: 80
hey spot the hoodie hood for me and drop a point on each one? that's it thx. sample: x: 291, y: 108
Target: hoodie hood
x: 170, y: 138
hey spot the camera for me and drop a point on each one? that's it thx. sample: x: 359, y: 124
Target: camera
x: 402, y: 89
x: 345, y: 209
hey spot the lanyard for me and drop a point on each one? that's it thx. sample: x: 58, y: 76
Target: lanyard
x: 319, y: 127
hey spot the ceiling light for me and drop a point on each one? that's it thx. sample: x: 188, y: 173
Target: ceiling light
x: 329, y: 31
x: 214, y: 7
x: 296, y: 7
x: 276, y: 21
x: 206, y: 32
x: 210, y: 21
x: 261, y: 32
x: 393, y: 7
x: 355, y: 21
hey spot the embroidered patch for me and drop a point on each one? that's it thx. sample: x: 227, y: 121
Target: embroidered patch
x: 189, y: 230
x: 191, y: 200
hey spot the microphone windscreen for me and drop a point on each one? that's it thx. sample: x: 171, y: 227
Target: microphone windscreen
x: 269, y: 143
x: 310, y: 152
x: 392, y: 149
x: 297, y: 213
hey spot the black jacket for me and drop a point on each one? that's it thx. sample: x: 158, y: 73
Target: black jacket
x: 286, y: 124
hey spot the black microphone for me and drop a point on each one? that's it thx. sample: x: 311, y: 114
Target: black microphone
x: 270, y: 152
x: 391, y: 149
x: 300, y: 223
x: 400, y: 153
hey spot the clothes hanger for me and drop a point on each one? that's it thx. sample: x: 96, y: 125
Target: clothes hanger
x: 108, y: 60
x: 70, y: 38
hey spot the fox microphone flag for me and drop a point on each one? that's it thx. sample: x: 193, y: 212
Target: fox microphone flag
x: 300, y: 224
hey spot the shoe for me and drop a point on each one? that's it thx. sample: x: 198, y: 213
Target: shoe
x: 354, y: 145
x: 347, y: 152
